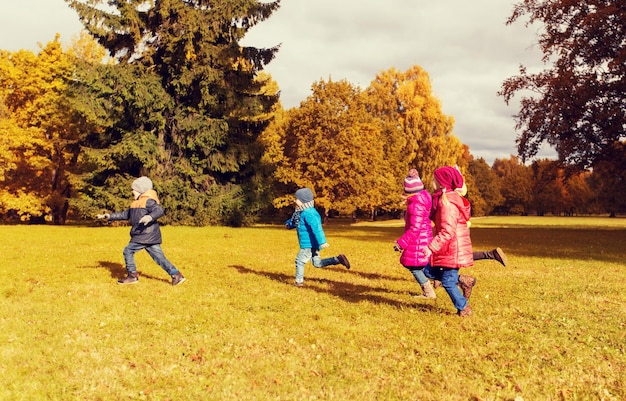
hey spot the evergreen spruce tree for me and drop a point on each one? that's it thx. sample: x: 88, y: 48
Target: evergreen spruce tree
x: 204, y: 154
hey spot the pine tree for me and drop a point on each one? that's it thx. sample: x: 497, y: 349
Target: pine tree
x: 207, y: 152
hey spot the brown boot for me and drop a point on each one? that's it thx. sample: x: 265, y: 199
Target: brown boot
x: 132, y: 278
x: 344, y: 261
x: 429, y: 291
x: 465, y: 312
x: 495, y: 254
x: 466, y: 283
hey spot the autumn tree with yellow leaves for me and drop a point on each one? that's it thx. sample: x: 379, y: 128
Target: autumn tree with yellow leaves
x: 417, y: 133
x: 334, y: 146
x: 354, y: 147
x: 38, y: 141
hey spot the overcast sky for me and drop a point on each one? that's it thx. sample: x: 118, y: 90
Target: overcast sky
x: 465, y: 47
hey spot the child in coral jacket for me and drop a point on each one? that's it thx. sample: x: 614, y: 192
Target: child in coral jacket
x: 451, y: 246
x: 417, y: 231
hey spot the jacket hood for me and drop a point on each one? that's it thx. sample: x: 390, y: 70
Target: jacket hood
x: 151, y: 194
x: 461, y: 203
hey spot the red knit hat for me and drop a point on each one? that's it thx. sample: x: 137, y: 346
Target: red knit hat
x: 412, y: 183
x: 449, y: 178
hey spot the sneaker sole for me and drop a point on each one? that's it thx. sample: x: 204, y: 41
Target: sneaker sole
x: 132, y: 282
x: 502, y: 256
x: 180, y: 282
x: 422, y: 296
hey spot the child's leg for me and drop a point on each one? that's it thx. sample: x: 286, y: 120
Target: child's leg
x: 156, y: 252
x: 449, y: 281
x: 418, y: 273
x: 129, y: 256
x: 301, y: 259
x: 420, y: 276
x: 318, y: 262
x: 431, y: 272
x: 496, y: 254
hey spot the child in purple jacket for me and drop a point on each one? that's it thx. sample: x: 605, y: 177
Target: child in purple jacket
x: 417, y: 231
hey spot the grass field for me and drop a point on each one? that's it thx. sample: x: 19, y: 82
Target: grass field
x: 550, y: 326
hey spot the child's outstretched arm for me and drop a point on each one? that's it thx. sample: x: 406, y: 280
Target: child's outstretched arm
x: 125, y: 215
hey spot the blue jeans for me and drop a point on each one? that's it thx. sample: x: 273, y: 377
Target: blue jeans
x: 154, y: 251
x: 313, y: 255
x: 449, y: 279
x: 418, y: 273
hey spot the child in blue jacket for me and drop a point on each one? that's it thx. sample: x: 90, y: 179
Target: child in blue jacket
x: 308, y: 223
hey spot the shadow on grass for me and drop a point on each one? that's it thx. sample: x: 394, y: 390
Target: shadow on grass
x: 118, y: 270
x: 377, y: 276
x: 348, y: 292
x: 601, y: 245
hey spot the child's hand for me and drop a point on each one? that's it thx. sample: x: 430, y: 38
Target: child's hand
x: 397, y: 247
x: 324, y: 246
x: 103, y: 216
x: 427, y: 252
x: 145, y: 219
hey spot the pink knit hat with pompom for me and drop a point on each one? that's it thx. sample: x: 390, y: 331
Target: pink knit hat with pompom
x: 412, y: 183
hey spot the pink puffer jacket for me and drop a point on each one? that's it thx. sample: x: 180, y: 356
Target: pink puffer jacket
x: 451, y: 245
x: 418, y: 230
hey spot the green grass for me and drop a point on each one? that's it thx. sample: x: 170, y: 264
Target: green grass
x: 551, y: 326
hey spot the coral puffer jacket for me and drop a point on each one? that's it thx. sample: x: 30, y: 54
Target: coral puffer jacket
x: 418, y: 230
x: 451, y: 245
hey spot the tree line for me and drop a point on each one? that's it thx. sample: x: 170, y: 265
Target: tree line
x: 167, y: 91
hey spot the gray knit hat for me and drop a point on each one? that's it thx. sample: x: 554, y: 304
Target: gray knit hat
x: 142, y: 184
x: 304, y: 195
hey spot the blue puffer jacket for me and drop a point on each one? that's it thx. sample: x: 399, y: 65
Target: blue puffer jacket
x: 146, y: 204
x: 310, y: 231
